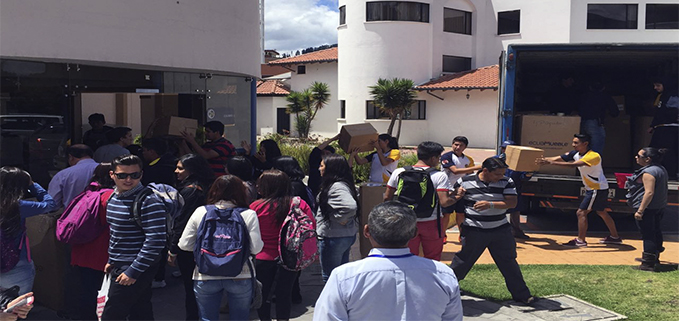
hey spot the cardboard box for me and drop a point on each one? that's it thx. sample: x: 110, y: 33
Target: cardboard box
x: 552, y: 134
x: 173, y: 126
x: 50, y: 259
x: 357, y: 135
x: 522, y: 158
x: 369, y: 196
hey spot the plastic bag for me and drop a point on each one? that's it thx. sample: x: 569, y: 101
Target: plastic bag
x: 102, y: 296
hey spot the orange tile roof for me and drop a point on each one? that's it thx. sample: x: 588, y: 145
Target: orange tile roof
x: 325, y: 55
x: 270, y: 70
x: 272, y: 87
x: 481, y: 78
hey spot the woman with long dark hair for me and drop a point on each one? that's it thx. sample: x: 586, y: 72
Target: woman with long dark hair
x: 242, y: 168
x: 383, y: 161
x: 272, y: 208
x: 90, y: 258
x: 263, y: 159
x: 16, y: 267
x: 648, y: 196
x: 227, y: 192
x: 336, y: 217
x: 194, y: 177
x: 290, y: 166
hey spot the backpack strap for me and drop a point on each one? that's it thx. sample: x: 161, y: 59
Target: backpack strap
x: 139, y: 202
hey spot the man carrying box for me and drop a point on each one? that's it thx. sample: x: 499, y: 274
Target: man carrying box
x: 216, y: 151
x: 596, y: 186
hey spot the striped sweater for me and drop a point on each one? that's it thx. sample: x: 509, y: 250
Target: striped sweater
x: 478, y: 190
x: 130, y: 245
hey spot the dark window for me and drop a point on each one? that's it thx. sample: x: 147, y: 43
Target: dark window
x: 457, y: 21
x: 662, y: 16
x: 418, y: 110
x: 397, y: 11
x: 301, y: 70
x: 343, y: 109
x: 612, y: 16
x: 508, y: 22
x: 343, y: 15
x: 455, y: 64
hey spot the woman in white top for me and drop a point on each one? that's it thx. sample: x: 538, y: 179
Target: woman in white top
x: 227, y: 191
x: 383, y: 161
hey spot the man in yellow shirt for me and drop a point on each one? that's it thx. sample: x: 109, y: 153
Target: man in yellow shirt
x: 588, y: 163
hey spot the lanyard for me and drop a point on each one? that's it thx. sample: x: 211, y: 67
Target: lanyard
x: 391, y: 256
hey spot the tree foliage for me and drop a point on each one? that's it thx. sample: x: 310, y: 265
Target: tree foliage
x: 306, y: 104
x: 394, y: 97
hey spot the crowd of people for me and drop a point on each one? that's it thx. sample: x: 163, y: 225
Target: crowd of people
x: 262, y: 188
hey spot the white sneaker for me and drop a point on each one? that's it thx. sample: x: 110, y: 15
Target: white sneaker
x: 158, y: 284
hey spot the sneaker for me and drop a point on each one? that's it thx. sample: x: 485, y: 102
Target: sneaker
x: 611, y: 240
x: 158, y: 284
x: 576, y: 242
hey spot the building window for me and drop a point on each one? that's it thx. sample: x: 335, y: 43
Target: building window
x: 662, y: 16
x: 397, y: 11
x: 456, y: 64
x: 612, y: 16
x: 508, y: 22
x: 418, y: 111
x: 343, y: 109
x: 301, y: 70
x: 457, y: 21
x: 343, y: 15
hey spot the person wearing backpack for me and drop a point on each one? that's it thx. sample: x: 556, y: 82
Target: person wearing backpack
x: 194, y: 177
x: 406, y: 184
x: 89, y: 259
x: 336, y: 217
x: 16, y: 267
x: 135, y: 246
x: 272, y: 209
x: 215, y: 273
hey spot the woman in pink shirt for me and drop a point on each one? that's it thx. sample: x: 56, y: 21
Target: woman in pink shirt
x: 275, y: 189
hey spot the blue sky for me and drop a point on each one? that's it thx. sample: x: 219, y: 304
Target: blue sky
x: 290, y: 25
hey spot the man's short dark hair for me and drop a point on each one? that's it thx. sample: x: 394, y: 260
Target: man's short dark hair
x: 126, y: 160
x: 215, y: 126
x: 96, y: 117
x: 156, y: 144
x: 428, y: 149
x: 583, y: 138
x: 392, y: 224
x: 493, y: 163
x: 461, y: 139
x: 80, y: 151
x: 114, y: 135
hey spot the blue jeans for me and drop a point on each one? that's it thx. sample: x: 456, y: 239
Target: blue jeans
x: 596, y: 131
x: 333, y: 252
x: 209, y: 298
x: 22, y: 275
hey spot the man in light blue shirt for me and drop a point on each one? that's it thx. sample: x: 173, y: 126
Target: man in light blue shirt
x: 391, y: 283
x: 71, y: 181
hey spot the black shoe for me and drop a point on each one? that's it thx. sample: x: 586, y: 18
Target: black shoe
x: 529, y: 301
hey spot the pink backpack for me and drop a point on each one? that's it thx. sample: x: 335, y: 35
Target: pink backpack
x: 297, y: 246
x: 80, y: 222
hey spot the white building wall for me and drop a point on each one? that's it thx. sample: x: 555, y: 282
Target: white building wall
x: 209, y: 35
x: 325, y: 123
x: 266, y: 113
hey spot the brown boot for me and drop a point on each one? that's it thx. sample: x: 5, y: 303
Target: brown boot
x: 648, y: 261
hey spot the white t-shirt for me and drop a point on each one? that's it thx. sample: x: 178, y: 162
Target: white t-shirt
x: 438, y: 179
x: 593, y: 175
x: 379, y: 173
x: 450, y: 159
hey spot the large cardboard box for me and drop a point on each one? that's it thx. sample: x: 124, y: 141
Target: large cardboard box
x: 552, y: 134
x: 357, y: 135
x: 522, y: 158
x: 369, y: 196
x: 173, y: 126
x: 49, y: 257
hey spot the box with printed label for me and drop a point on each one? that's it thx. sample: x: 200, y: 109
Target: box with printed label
x: 552, y: 134
x: 522, y: 158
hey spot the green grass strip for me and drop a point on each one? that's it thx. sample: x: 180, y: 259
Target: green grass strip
x: 637, y: 294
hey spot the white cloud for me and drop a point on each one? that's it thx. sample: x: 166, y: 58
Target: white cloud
x: 290, y: 25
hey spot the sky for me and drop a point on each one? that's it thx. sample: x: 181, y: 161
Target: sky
x: 290, y: 25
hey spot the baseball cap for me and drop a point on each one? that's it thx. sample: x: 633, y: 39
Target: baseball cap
x: 507, y: 143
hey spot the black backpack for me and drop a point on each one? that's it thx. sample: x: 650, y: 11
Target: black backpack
x: 416, y: 190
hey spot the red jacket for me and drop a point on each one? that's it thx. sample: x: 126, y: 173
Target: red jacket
x: 270, y: 229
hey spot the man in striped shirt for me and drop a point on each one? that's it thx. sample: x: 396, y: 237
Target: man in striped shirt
x: 133, y: 250
x: 489, y: 193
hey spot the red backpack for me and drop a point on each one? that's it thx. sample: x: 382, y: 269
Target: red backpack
x: 80, y: 224
x: 298, y: 246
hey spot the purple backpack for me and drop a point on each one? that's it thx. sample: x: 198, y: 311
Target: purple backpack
x: 298, y: 246
x: 80, y: 223
x: 222, y: 242
x: 9, y: 251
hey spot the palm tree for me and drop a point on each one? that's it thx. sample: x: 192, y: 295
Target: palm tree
x: 393, y: 97
x: 306, y: 104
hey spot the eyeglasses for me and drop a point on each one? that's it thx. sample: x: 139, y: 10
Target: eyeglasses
x: 640, y: 156
x: 135, y: 175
